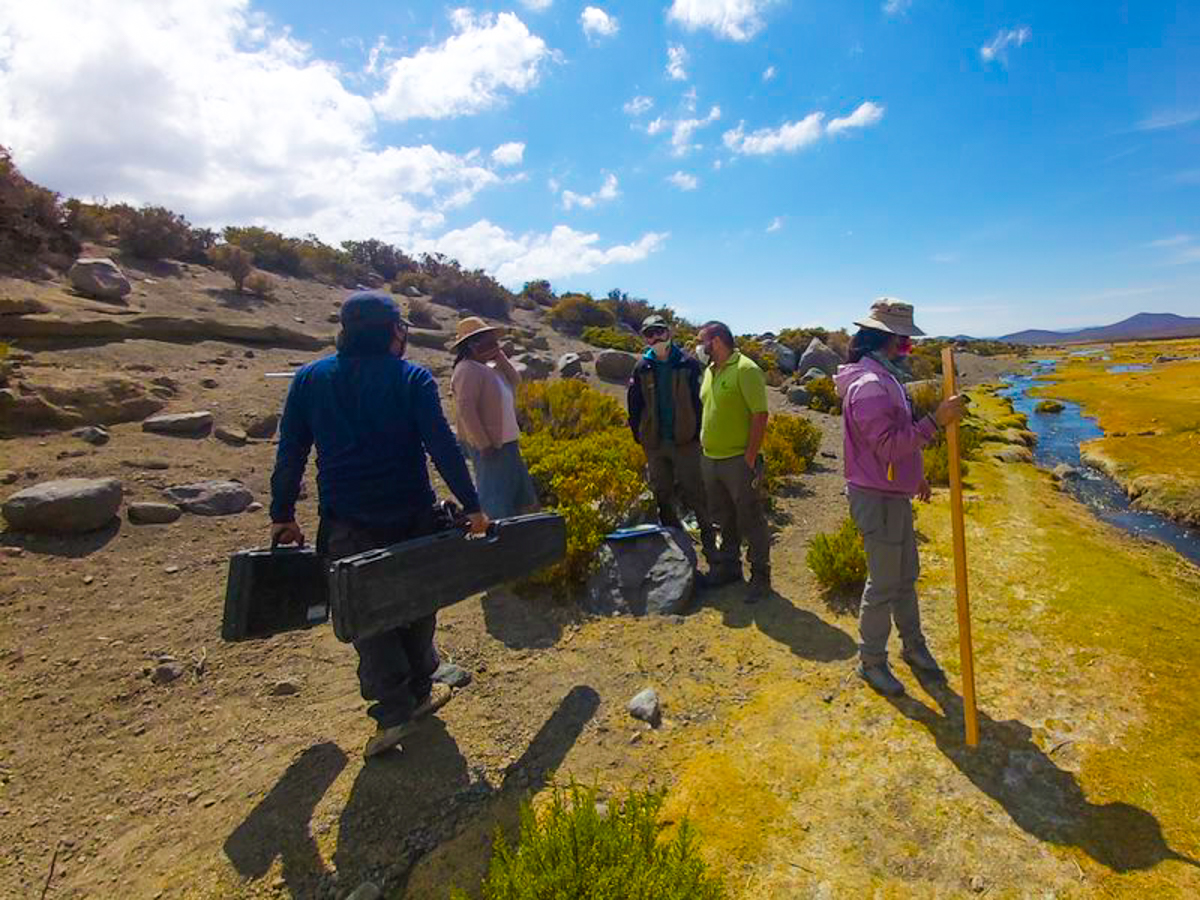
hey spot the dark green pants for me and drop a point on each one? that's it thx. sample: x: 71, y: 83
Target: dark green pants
x: 738, y: 511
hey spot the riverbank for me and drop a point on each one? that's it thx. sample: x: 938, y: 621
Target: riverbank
x: 1146, y: 397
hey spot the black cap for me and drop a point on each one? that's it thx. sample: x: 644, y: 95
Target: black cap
x: 372, y: 308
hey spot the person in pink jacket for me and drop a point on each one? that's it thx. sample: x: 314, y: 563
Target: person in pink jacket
x: 884, y: 471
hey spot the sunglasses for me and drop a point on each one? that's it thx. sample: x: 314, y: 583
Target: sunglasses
x: 655, y: 331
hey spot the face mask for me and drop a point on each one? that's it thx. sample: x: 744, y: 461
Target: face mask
x: 904, y: 347
x: 402, y: 337
x: 702, y: 353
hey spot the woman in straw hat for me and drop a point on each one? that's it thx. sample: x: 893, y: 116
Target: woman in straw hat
x: 484, y: 386
x: 884, y: 471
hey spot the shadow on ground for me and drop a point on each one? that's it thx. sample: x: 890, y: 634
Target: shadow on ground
x: 518, y: 623
x: 807, y: 635
x: 70, y: 547
x: 1043, y: 800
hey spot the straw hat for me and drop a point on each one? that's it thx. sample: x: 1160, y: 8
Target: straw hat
x: 469, y: 328
x: 893, y: 316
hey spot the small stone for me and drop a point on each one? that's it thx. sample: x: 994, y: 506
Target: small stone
x: 166, y: 672
x: 209, y: 382
x: 153, y: 513
x: 8, y: 476
x: 646, y: 707
x: 254, y: 507
x: 262, y: 427
x: 249, y: 354
x: 88, y: 579
x: 91, y: 434
x: 194, y: 423
x: 211, y: 498
x: 13, y: 552
x: 149, y: 462
x: 453, y: 675
x: 978, y: 884
x: 230, y: 435
x: 285, y: 687
x: 171, y: 570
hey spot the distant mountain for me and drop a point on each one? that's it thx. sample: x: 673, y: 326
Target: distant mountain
x: 1142, y: 327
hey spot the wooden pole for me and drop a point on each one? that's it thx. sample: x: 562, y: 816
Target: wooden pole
x: 970, y: 715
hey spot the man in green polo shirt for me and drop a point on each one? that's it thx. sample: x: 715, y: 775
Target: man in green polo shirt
x: 733, y: 395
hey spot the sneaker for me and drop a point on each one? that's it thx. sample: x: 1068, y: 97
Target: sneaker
x: 881, y: 679
x: 760, y: 588
x: 439, y: 696
x: 923, y: 663
x: 385, y: 739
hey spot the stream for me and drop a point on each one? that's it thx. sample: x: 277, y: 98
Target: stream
x: 1059, y: 436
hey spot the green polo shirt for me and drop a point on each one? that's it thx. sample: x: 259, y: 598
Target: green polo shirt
x: 730, y: 396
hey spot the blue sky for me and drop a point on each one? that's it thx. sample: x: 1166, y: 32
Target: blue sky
x: 1000, y: 165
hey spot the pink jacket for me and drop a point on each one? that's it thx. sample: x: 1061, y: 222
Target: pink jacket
x: 880, y: 434
x: 479, y: 402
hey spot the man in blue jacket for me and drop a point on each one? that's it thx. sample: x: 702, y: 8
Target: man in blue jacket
x: 373, y: 416
x: 664, y: 414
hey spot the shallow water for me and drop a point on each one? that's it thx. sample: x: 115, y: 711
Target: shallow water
x: 1130, y: 367
x: 1059, y: 436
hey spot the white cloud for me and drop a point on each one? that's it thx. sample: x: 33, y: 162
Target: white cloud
x: 682, y: 130
x: 737, y: 20
x: 897, y: 7
x: 509, y: 154
x: 787, y: 138
x: 776, y: 224
x: 515, y: 259
x: 638, y: 106
x: 537, y: 5
x: 1173, y: 241
x: 1172, y: 118
x: 471, y: 71
x: 769, y: 74
x: 868, y: 113
x: 608, y: 191
x: 997, y: 47
x: 684, y: 181
x: 597, y: 23
x: 792, y: 136
x: 677, y: 58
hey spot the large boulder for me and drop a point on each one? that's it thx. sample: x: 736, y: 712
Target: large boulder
x: 785, y: 357
x: 532, y: 366
x: 819, y: 356
x: 99, y: 278
x: 189, y: 424
x: 798, y: 395
x: 813, y: 374
x: 615, y: 365
x: 211, y: 498
x: 570, y: 365
x: 652, y: 573
x: 69, y: 506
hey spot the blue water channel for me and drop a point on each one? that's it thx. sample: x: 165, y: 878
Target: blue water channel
x: 1059, y: 436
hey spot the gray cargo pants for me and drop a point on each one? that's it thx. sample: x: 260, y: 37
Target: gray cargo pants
x: 738, y: 511
x: 886, y: 523
x: 672, y: 465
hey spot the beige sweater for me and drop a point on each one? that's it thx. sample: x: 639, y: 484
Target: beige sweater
x: 478, y: 399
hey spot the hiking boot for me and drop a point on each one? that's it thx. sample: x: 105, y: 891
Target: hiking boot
x: 922, y: 663
x: 760, y: 587
x: 386, y: 739
x: 439, y: 696
x: 881, y: 679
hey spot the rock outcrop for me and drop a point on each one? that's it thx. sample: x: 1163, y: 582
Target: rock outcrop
x: 652, y: 573
x: 615, y: 365
x: 49, y: 398
x: 819, y: 356
x: 99, y: 278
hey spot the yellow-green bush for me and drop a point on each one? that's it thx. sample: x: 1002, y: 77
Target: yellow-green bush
x: 575, y: 312
x: 823, y: 396
x: 1049, y: 406
x: 571, y: 849
x: 936, y: 456
x: 611, y: 338
x: 420, y: 313
x: 925, y: 399
x: 419, y: 280
x: 838, y: 560
x: 789, y: 448
x: 585, y: 464
x: 261, y: 285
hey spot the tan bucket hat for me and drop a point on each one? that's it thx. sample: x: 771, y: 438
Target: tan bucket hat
x: 893, y: 316
x: 469, y: 328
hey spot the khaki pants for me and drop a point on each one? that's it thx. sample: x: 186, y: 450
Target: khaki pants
x: 738, y: 511
x: 886, y: 523
x: 676, y: 469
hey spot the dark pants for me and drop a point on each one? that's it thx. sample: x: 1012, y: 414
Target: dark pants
x: 395, y: 668
x: 675, y: 469
x: 738, y: 511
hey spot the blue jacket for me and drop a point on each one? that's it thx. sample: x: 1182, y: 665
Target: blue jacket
x: 373, y: 419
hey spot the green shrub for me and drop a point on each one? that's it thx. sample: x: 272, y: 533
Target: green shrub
x: 925, y: 399
x: 1049, y: 406
x: 261, y: 285
x: 539, y: 292
x: 234, y: 262
x: 789, y: 448
x: 302, y: 258
x: 763, y: 358
x: 153, y: 232
x: 419, y: 280
x: 570, y: 849
x: 566, y: 409
x: 376, y: 256
x: 611, y: 339
x: 936, y: 456
x: 88, y: 221
x: 823, y: 396
x: 630, y: 310
x: 838, y: 560
x: 471, y: 290
x: 420, y: 313
x: 32, y: 221
x: 575, y: 312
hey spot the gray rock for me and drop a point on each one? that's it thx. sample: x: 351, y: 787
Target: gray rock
x: 262, y: 427
x: 166, y: 672
x: 812, y: 375
x: 209, y: 383
x: 152, y: 463
x: 69, y: 506
x: 785, y: 357
x: 99, y: 278
x: 570, y: 365
x: 285, y: 687
x: 797, y: 395
x: 193, y: 423
x: 533, y: 366
x: 92, y: 434
x: 211, y: 498
x: 1065, y: 472
x: 615, y: 365
x: 537, y: 342
x: 153, y: 513
x: 8, y: 476
x: 1012, y: 453
x: 230, y: 435
x: 586, y: 355
x: 453, y: 675
x: 819, y: 356
x: 646, y: 707
x: 654, y: 573
x: 365, y: 891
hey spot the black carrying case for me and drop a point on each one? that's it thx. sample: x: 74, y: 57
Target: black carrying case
x: 381, y: 589
x: 275, y: 590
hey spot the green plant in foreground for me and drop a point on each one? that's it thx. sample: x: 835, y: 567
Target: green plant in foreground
x: 789, y: 448
x: 838, y: 560
x: 823, y: 396
x: 570, y: 849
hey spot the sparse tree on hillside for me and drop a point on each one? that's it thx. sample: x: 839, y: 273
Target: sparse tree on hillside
x: 234, y: 262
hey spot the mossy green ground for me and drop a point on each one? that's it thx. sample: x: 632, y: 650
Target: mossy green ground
x: 1151, y: 419
x: 1085, y: 780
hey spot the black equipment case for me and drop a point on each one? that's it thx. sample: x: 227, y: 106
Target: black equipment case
x: 289, y: 588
